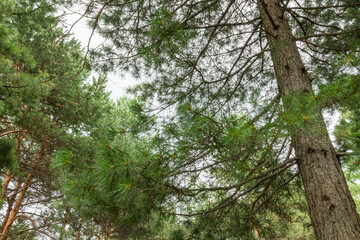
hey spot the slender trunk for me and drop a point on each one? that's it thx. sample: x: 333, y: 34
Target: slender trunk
x: 8, y: 176
x: 10, y: 202
x: 11, y: 199
x: 332, y: 209
x: 14, y: 211
x: 6, y: 183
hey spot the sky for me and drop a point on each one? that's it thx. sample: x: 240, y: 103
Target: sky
x: 116, y: 84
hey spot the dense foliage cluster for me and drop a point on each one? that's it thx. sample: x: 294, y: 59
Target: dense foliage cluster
x: 213, y: 144
x: 45, y: 104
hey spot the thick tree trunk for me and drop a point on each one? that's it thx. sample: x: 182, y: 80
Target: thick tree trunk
x: 332, y: 209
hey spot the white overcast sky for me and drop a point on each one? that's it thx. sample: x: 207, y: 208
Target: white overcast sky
x: 117, y: 85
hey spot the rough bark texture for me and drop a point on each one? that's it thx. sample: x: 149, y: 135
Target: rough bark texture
x: 332, y: 209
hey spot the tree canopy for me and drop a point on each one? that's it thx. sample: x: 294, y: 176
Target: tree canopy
x: 224, y: 138
x: 242, y: 85
x: 45, y: 104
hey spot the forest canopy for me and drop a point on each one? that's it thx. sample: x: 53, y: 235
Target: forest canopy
x: 224, y: 137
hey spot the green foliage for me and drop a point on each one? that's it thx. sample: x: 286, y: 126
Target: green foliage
x: 221, y: 153
x: 20, y: 230
x: 353, y: 176
x: 347, y: 131
x: 176, y: 235
x: 7, y: 153
x: 109, y: 175
x: 41, y: 79
x: 168, y: 36
x: 46, y: 103
x: 347, y: 134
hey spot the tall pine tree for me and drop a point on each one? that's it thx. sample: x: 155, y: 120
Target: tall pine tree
x: 45, y: 104
x: 242, y: 85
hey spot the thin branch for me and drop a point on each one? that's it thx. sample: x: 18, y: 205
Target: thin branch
x: 92, y: 33
x: 9, y: 132
x: 72, y: 26
x: 33, y: 224
x: 326, y: 7
x: 326, y: 34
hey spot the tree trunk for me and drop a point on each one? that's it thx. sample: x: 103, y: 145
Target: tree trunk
x: 332, y: 209
x: 10, y: 202
x: 8, y: 177
x: 14, y: 211
x: 6, y: 183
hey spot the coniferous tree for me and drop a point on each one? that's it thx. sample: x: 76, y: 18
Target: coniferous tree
x: 105, y: 185
x: 347, y: 133
x: 45, y: 104
x: 243, y: 85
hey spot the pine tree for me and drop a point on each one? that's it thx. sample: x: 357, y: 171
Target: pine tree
x: 242, y: 85
x: 103, y: 175
x: 45, y: 103
x: 347, y: 133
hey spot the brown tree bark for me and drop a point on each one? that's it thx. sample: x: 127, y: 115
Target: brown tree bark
x: 6, y: 225
x: 8, y: 177
x: 332, y: 209
x: 10, y: 202
x: 6, y: 183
